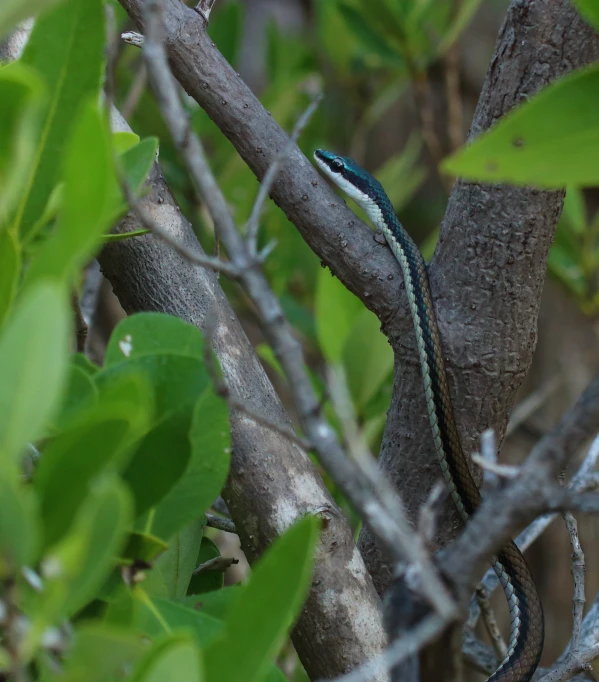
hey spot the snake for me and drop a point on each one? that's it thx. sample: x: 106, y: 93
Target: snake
x: 526, y: 612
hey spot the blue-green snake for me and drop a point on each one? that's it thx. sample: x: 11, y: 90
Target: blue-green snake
x: 526, y: 613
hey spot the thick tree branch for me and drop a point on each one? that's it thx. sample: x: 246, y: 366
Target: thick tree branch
x: 487, y: 274
x: 327, y: 225
x: 271, y: 481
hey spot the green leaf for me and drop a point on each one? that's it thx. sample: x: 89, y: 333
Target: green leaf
x: 550, y: 141
x: 179, y: 560
x: 122, y: 141
x: 18, y: 526
x: 368, y: 358
x: 21, y: 100
x: 206, y: 472
x: 215, y: 604
x: 100, y: 653
x: 34, y: 349
x: 66, y: 48
x: 87, y: 201
x: 10, y: 271
x: 370, y: 37
x: 280, y: 580
x: 172, y: 660
x: 105, y: 433
x: 207, y: 581
x: 80, y: 394
x: 163, y: 454
x: 14, y: 11
x: 75, y: 568
x: 336, y: 311
x: 160, y: 616
x: 143, y: 547
x: 151, y: 333
x: 589, y: 10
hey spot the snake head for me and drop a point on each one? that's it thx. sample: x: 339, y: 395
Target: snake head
x: 353, y: 180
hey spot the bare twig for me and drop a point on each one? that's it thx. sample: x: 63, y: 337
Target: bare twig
x: 135, y: 92
x: 579, y: 483
x: 482, y: 598
x: 278, y: 331
x: 428, y: 511
x: 219, y: 565
x: 189, y: 254
x: 253, y: 223
x: 578, y: 662
x: 578, y: 568
x: 219, y: 523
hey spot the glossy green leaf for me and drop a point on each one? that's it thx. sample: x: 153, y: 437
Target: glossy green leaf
x: 34, y: 348
x: 18, y: 526
x: 280, y: 579
x: 163, y: 454
x: 143, y: 547
x: 159, y: 616
x: 550, y: 141
x: 172, y: 660
x: 13, y: 12
x: 123, y: 141
x: 87, y: 201
x: 179, y: 561
x: 66, y: 48
x: 21, y: 101
x: 589, y: 10
x: 80, y: 394
x: 206, y: 581
x: 215, y: 604
x: 74, y: 569
x: 10, y: 271
x: 368, y: 358
x: 98, y: 440
x: 336, y: 312
x: 206, y: 472
x: 100, y: 653
x: 151, y: 333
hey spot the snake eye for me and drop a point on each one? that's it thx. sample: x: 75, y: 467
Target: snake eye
x: 337, y: 165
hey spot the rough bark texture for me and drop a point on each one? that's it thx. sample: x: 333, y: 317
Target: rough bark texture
x: 487, y: 274
x: 272, y: 483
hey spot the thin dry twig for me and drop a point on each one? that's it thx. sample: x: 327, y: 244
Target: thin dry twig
x: 219, y: 565
x: 579, y: 661
x: 219, y: 523
x: 497, y: 642
x: 278, y: 331
x: 579, y: 483
x: 577, y: 569
x: 253, y: 223
x: 427, y: 515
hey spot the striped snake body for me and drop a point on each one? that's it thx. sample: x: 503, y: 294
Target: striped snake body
x: 526, y: 614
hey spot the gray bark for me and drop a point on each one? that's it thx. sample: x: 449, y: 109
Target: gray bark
x: 272, y: 483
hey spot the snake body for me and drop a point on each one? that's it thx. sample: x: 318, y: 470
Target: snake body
x: 526, y: 614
